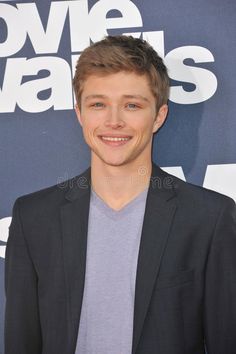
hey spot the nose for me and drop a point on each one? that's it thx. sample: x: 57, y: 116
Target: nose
x: 114, y: 119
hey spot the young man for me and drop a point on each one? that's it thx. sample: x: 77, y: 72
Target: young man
x: 123, y: 258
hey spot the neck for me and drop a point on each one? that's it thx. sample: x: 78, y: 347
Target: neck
x: 117, y: 185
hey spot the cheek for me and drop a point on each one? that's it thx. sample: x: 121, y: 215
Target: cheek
x: 89, y: 124
x: 90, y: 128
x: 144, y: 127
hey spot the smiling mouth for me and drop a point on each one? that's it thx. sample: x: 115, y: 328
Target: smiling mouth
x: 115, y: 140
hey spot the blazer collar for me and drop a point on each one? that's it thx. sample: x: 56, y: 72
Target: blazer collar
x: 79, y: 186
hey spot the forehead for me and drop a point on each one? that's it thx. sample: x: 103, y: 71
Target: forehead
x: 116, y: 84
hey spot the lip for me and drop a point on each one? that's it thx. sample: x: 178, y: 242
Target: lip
x: 112, y: 135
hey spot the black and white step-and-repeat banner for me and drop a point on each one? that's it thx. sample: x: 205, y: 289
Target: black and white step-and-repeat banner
x: 40, y: 140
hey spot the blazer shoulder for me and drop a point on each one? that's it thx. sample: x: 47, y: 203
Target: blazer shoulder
x: 49, y: 197
x: 199, y: 195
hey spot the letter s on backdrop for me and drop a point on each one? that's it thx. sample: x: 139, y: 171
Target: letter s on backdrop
x: 204, y: 80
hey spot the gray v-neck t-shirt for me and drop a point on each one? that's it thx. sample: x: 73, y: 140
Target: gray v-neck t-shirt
x: 106, y: 322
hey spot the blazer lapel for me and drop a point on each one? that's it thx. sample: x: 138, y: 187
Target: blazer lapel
x: 74, y: 217
x: 159, y: 213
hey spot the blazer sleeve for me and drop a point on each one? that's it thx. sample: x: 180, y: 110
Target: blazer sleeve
x: 220, y: 285
x: 22, y: 325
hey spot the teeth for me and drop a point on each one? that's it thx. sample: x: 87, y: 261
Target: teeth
x: 114, y: 139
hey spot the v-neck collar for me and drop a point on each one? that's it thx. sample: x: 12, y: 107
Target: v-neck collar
x: 98, y: 202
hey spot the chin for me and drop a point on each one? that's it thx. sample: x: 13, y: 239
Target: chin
x: 114, y: 163
x: 111, y: 160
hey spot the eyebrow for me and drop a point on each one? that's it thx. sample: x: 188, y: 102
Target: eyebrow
x: 94, y: 96
x: 143, y: 98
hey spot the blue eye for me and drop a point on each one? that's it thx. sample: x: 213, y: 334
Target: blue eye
x: 98, y: 105
x: 132, y: 106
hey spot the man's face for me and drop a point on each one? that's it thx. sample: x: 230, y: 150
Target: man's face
x: 118, y: 117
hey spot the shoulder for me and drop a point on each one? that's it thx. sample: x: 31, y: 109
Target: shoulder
x: 50, y: 198
x: 197, y: 197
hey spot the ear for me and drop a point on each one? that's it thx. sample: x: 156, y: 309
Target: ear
x: 78, y: 113
x: 160, y: 118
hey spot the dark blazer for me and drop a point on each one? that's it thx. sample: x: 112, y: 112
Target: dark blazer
x: 185, y: 295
